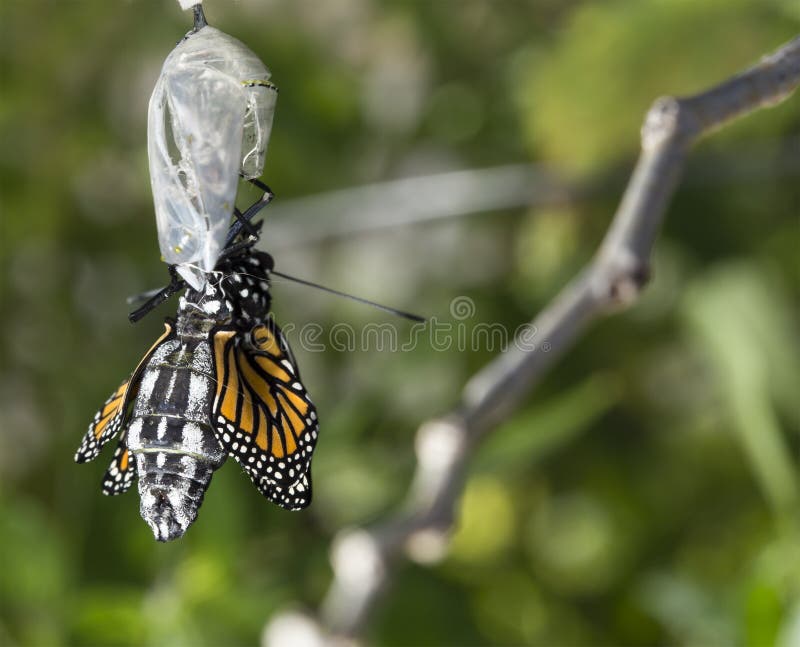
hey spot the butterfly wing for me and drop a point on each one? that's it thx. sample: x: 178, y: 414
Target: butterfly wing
x: 120, y: 474
x: 262, y: 415
x: 111, y: 418
x: 106, y: 424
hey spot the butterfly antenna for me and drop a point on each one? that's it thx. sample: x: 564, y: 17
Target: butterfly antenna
x: 394, y: 311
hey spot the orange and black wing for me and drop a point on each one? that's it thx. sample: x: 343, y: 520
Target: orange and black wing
x: 120, y: 474
x: 112, y: 416
x: 106, y: 424
x: 262, y: 414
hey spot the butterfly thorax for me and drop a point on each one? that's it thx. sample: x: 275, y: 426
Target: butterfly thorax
x: 246, y: 286
x: 200, y: 311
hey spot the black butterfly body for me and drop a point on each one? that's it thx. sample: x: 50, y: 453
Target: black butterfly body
x: 221, y: 381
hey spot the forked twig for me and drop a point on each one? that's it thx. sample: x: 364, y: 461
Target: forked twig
x: 362, y: 559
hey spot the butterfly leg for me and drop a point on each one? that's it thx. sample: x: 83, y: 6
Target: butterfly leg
x: 243, y: 219
x: 175, y: 285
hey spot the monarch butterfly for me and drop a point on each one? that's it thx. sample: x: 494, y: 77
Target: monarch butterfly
x: 220, y: 381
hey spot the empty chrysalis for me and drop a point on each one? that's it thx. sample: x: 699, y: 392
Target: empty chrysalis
x: 209, y: 123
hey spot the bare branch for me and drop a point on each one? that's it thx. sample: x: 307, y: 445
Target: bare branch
x: 362, y: 559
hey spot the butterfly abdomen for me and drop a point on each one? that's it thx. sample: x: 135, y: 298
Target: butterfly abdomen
x: 175, y: 448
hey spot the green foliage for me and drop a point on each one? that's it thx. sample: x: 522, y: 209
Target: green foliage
x: 582, y: 94
x: 645, y: 494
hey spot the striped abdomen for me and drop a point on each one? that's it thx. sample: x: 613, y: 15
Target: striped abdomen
x: 169, y: 434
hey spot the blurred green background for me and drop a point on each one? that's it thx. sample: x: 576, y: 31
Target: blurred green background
x: 647, y: 493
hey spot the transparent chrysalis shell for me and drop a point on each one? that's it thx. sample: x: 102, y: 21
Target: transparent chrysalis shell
x: 209, y: 121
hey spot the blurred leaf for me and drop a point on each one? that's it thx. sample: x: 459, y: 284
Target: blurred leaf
x: 576, y: 543
x: 738, y: 318
x: 485, y: 521
x: 689, y: 613
x: 763, y: 614
x: 110, y: 616
x: 510, y: 607
x: 34, y: 576
x: 583, y: 100
x: 533, y: 434
x: 790, y: 631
